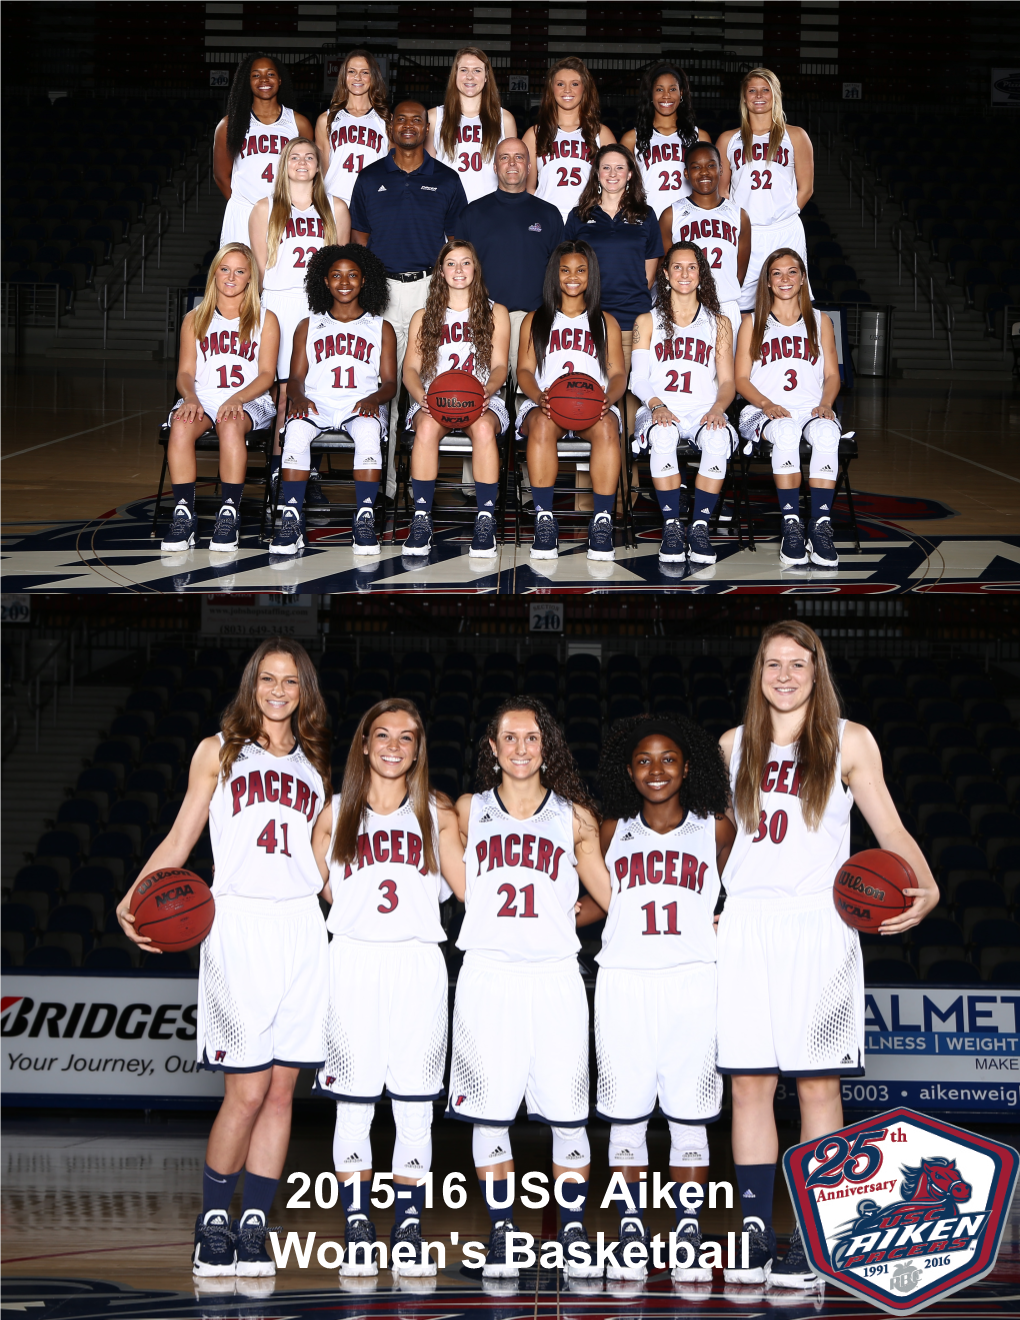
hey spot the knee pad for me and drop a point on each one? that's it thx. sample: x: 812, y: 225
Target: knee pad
x: 412, y: 1150
x: 628, y: 1145
x: 366, y: 432
x: 297, y: 443
x: 687, y: 1145
x: 823, y: 437
x: 662, y: 443
x: 717, y: 446
x: 352, y: 1144
x: 490, y: 1145
x: 570, y: 1147
x: 783, y: 434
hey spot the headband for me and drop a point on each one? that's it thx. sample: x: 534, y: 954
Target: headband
x: 647, y: 728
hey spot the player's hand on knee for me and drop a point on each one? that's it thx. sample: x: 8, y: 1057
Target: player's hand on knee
x: 231, y: 411
x: 190, y: 411
x: 127, y: 925
x: 366, y: 408
x: 424, y: 406
x: 298, y: 405
x: 774, y: 410
x: 822, y: 411
x: 663, y: 416
x: 714, y: 420
x: 543, y: 403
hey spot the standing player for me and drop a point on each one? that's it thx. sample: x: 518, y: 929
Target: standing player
x: 227, y: 364
x: 382, y: 846
x: 520, y: 1024
x: 570, y: 332
x: 343, y: 375
x: 465, y: 130
x: 354, y: 131
x: 665, y: 795
x: 248, y: 140
x: 682, y: 370
x: 768, y: 170
x: 459, y: 328
x: 785, y: 353
x: 563, y: 143
x: 264, y: 978
x: 791, y: 981
x: 665, y: 133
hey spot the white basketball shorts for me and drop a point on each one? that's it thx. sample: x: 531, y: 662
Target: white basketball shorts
x: 527, y: 406
x: 291, y: 308
x: 236, y: 215
x: 520, y: 1032
x: 655, y: 1038
x: 765, y: 239
x: 261, y: 411
x: 791, y: 989
x: 495, y: 405
x: 263, y: 985
x: 387, y: 1023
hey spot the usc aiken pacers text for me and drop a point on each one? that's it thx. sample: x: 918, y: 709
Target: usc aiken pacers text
x: 274, y: 786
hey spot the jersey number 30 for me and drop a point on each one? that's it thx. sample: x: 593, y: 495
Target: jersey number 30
x: 774, y: 827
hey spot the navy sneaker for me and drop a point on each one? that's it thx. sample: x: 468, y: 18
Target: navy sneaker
x: 365, y: 540
x: 224, y: 535
x: 699, y: 547
x: 419, y: 538
x: 820, y: 544
x: 214, y: 1252
x: 360, y: 1233
x: 546, y: 544
x: 249, y: 1233
x: 289, y: 538
x: 761, y: 1252
x: 689, y: 1232
x: 496, y: 1264
x: 792, y: 550
x: 421, y: 1265
x: 181, y: 535
x: 793, y: 1271
x: 579, y: 1259
x: 483, y: 543
x: 674, y: 544
x: 633, y: 1233
x: 600, y: 537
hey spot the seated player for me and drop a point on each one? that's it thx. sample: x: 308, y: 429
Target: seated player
x: 459, y: 328
x: 571, y: 333
x: 386, y: 845
x: 788, y: 372
x: 520, y: 1024
x: 682, y: 369
x: 227, y: 364
x: 340, y: 378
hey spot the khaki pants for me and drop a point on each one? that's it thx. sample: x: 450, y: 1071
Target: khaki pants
x: 405, y: 300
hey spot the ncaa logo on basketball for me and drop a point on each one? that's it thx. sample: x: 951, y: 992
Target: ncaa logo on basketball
x: 902, y: 1209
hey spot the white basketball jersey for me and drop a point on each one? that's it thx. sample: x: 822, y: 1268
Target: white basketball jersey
x: 765, y: 189
x: 456, y: 351
x: 387, y: 894
x: 253, y: 174
x: 682, y: 365
x: 664, y: 892
x: 225, y: 363
x: 785, y: 370
x: 782, y: 858
x: 717, y: 232
x: 354, y: 142
x: 521, y: 881
x: 260, y: 824
x: 343, y: 360
x: 564, y: 172
x: 304, y: 235
x: 570, y: 349
x: 662, y: 170
x: 477, y: 174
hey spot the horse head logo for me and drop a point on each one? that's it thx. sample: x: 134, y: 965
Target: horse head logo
x: 930, y: 1190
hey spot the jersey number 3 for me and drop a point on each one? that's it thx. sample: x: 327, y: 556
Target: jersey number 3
x: 388, y: 889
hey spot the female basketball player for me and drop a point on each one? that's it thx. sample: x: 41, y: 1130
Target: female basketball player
x: 791, y: 982
x: 384, y: 847
x: 789, y: 352
x: 248, y: 140
x: 227, y: 364
x: 466, y: 129
x: 665, y: 132
x: 520, y: 1025
x: 568, y: 134
x: 263, y: 986
x: 683, y: 372
x: 459, y: 328
x: 354, y: 131
x: 571, y: 333
x: 343, y: 374
x: 665, y: 796
x: 768, y: 170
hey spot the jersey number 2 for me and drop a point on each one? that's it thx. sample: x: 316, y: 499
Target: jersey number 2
x: 510, y: 894
x: 268, y: 840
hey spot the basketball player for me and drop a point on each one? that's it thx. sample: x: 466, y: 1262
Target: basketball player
x: 791, y: 981
x: 341, y: 379
x: 353, y: 132
x: 465, y: 130
x: 248, y: 140
x: 716, y: 224
x: 520, y: 1025
x: 227, y: 364
x: 570, y: 332
x: 665, y: 133
x: 788, y: 372
x: 458, y: 329
x: 263, y: 985
x: 568, y: 134
x: 382, y: 845
x: 768, y: 170
x: 682, y: 370
x: 665, y: 795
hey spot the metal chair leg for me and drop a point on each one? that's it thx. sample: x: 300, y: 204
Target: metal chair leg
x: 844, y: 479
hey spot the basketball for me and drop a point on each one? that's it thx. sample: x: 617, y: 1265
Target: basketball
x: 175, y: 909
x: 869, y: 888
x: 456, y: 399
x: 575, y: 401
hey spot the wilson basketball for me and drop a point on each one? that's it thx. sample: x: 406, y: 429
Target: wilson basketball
x: 175, y: 909
x: 456, y: 399
x: 869, y: 888
x: 575, y: 401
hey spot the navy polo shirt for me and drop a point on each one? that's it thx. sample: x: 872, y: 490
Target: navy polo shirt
x: 622, y: 250
x: 408, y: 217
x: 514, y: 235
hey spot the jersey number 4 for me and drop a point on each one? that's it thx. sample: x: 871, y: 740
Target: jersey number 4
x: 773, y: 827
x: 268, y: 840
x: 509, y: 896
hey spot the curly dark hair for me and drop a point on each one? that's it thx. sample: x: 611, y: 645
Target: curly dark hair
x: 707, y: 295
x: 645, y: 115
x: 705, y: 790
x: 560, y: 774
x: 375, y: 292
x: 239, y: 99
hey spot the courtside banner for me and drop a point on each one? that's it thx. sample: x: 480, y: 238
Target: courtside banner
x: 902, y: 1209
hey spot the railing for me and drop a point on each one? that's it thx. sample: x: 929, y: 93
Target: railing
x: 37, y: 698
x: 1008, y: 312
x: 194, y: 183
x: 870, y: 201
x: 924, y: 282
x: 29, y: 304
x: 134, y: 264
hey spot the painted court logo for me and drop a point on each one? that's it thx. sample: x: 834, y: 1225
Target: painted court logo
x: 902, y: 1209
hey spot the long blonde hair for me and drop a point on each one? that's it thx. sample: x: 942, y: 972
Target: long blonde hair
x: 377, y: 91
x: 817, y: 746
x: 490, y: 112
x: 764, y: 299
x: 279, y: 213
x: 251, y: 307
x: 433, y: 318
x: 778, y: 118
